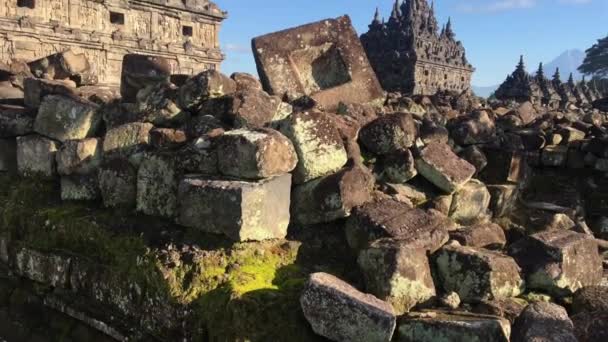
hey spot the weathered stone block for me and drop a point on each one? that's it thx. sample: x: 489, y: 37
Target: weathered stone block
x: 64, y: 65
x: 36, y: 89
x: 559, y: 261
x: 16, y: 121
x: 398, y: 273
x: 158, y: 105
x: 36, y: 155
x: 503, y: 166
x: 157, y: 186
x: 207, y: 85
x: 438, y: 164
x: 8, y: 155
x: 477, y: 128
x: 248, y: 108
x: 118, y: 183
x: 470, y: 202
x: 475, y: 156
x: 331, y: 197
x: 167, y: 138
x: 340, y: 312
x: 453, y: 327
x: 62, y: 118
x: 127, y: 139
x: 477, y: 274
x: 389, y: 134
x: 240, y: 210
x: 323, y: 60
x: 140, y: 71
x: 399, y: 167
x: 245, y: 81
x: 509, y: 308
x: 502, y: 198
x: 486, y: 235
x: 79, y: 188
x: 254, y: 154
x: 79, y: 156
x: 543, y: 322
x: 318, y: 145
x: 198, y: 157
x: 554, y: 156
x: 48, y: 269
x: 393, y: 219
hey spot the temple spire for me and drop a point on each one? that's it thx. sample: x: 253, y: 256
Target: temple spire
x: 448, y: 29
x: 556, y: 76
x: 396, y: 13
x: 571, y: 81
x: 540, y: 73
x: 377, y: 19
x: 521, y: 66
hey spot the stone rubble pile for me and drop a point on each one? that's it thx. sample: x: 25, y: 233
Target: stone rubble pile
x: 460, y: 213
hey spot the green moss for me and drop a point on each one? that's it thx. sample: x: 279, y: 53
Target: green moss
x: 245, y: 291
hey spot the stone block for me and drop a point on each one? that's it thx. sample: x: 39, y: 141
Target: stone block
x: 555, y: 156
x: 63, y: 118
x: 167, y: 138
x: 389, y: 134
x: 453, y: 327
x: 16, y: 121
x: 392, y: 219
x: 543, y: 322
x: 477, y: 128
x: 475, y: 156
x: 247, y: 108
x: 79, y: 188
x: 157, y: 182
x: 399, y: 167
x: 339, y: 312
x: 48, y: 269
x: 127, y: 139
x: 240, y: 210
x: 118, y: 183
x: 8, y: 155
x: 486, y: 235
x: 36, y: 155
x: 140, y: 71
x: 477, y: 274
x: 206, y: 85
x: 559, y: 261
x: 245, y: 81
x: 79, y: 156
x: 439, y: 165
x: 332, y: 197
x: 323, y: 60
x: 158, y: 104
x: 318, y: 144
x: 503, y: 167
x: 470, y: 202
x: 398, y: 273
x: 65, y: 65
x: 255, y: 154
x: 36, y: 89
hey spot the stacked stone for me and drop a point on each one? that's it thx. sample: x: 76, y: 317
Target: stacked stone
x: 450, y: 208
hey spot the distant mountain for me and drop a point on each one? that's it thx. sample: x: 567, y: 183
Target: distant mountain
x: 568, y: 62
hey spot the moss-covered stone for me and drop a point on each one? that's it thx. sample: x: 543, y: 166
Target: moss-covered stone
x: 161, y: 284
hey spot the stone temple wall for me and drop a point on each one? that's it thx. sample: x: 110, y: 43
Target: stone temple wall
x: 186, y: 33
x: 434, y: 77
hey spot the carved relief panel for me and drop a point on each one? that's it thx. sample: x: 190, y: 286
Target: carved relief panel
x: 139, y: 24
x: 56, y: 10
x: 169, y: 29
x: 88, y: 14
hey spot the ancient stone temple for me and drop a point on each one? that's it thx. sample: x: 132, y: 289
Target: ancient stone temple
x: 411, y: 55
x: 183, y: 31
x: 551, y: 93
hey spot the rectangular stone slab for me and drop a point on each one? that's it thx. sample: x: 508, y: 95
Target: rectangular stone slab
x: 240, y: 210
x: 338, y: 311
x: 324, y: 60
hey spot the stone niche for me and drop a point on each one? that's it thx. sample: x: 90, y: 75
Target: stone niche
x: 323, y: 60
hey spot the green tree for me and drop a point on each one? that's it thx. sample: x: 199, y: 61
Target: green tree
x: 596, y: 61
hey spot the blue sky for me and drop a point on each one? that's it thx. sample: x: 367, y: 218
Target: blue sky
x: 494, y: 32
